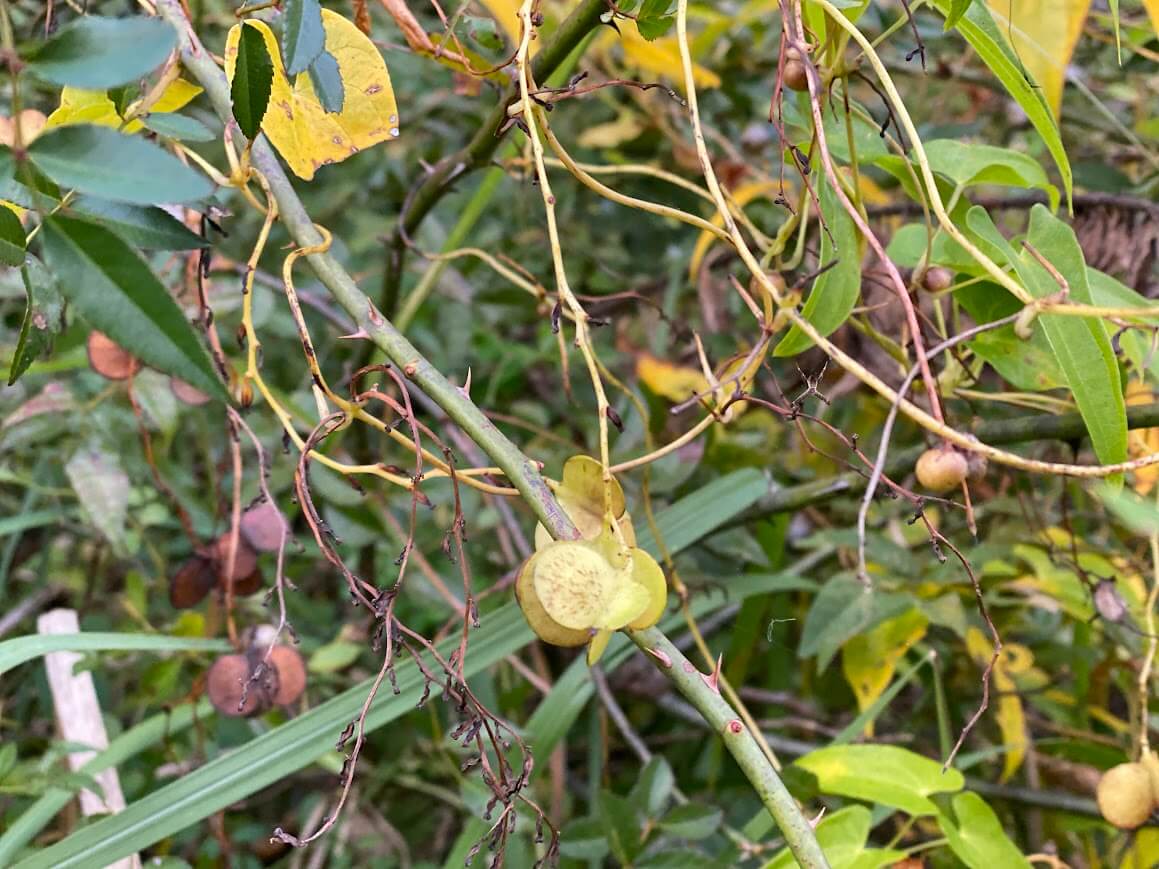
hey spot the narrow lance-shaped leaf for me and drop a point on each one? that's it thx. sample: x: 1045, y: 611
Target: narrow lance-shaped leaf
x: 302, y: 35
x: 11, y: 238
x: 835, y: 291
x: 144, y: 226
x: 115, y: 291
x: 105, y: 163
x: 99, y: 53
x: 978, y: 28
x: 252, y: 79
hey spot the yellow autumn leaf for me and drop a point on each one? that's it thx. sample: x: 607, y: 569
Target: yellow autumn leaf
x: 742, y: 196
x: 79, y: 106
x: 1152, y: 7
x: 661, y: 58
x: 1014, y: 658
x: 625, y: 128
x: 1142, y: 442
x: 677, y: 383
x: 506, y: 15
x: 869, y: 660
x: 299, y: 128
x: 1044, y: 34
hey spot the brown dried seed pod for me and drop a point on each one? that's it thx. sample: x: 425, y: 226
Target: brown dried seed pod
x: 232, y: 692
x: 187, y: 394
x: 941, y: 469
x: 291, y: 674
x: 109, y: 359
x: 937, y: 279
x: 262, y: 527
x: 192, y: 582
x: 1124, y: 795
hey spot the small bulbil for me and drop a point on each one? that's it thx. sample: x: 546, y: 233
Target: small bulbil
x: 941, y: 469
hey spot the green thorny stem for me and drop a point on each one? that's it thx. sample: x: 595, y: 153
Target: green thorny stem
x: 697, y: 688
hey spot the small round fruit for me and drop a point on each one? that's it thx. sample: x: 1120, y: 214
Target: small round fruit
x: 109, y: 359
x: 291, y: 674
x: 1124, y: 795
x: 942, y: 469
x: 244, y: 564
x: 937, y: 279
x: 796, y: 76
x: 264, y: 527
x: 230, y: 690
x: 191, y: 583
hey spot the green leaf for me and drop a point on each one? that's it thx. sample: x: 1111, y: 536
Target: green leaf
x: 1080, y: 344
x: 24, y: 649
x: 327, y: 81
x: 142, y: 225
x: 334, y: 656
x: 692, y: 821
x: 706, y: 509
x: 113, y: 288
x: 1026, y: 363
x: 105, y: 163
x: 252, y: 78
x: 11, y: 238
x: 7, y: 760
x: 834, y: 292
x: 583, y: 839
x: 303, y: 38
x: 655, y: 18
x: 270, y: 757
x: 843, y: 608
x: 883, y: 774
x: 978, y: 28
x: 968, y: 164
x: 43, y: 316
x: 102, y: 488
x: 622, y: 827
x: 958, y: 8
x: 1139, y: 514
x: 843, y: 836
x: 98, y: 53
x: 653, y: 788
x: 150, y: 732
x: 976, y: 836
x: 179, y: 127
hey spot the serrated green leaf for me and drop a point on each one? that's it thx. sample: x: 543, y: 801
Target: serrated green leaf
x: 180, y: 127
x: 115, y: 291
x: 252, y: 79
x: 43, y: 316
x: 143, y: 225
x: 883, y: 774
x: 836, y: 291
x: 102, y: 162
x: 303, y: 38
x: 97, y: 53
x: 977, y: 27
x: 327, y: 81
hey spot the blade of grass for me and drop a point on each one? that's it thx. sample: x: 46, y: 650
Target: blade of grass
x: 24, y: 649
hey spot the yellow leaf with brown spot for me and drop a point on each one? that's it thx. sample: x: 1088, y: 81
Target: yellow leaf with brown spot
x: 304, y: 133
x: 869, y: 660
x: 1014, y: 658
x: 1044, y: 34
